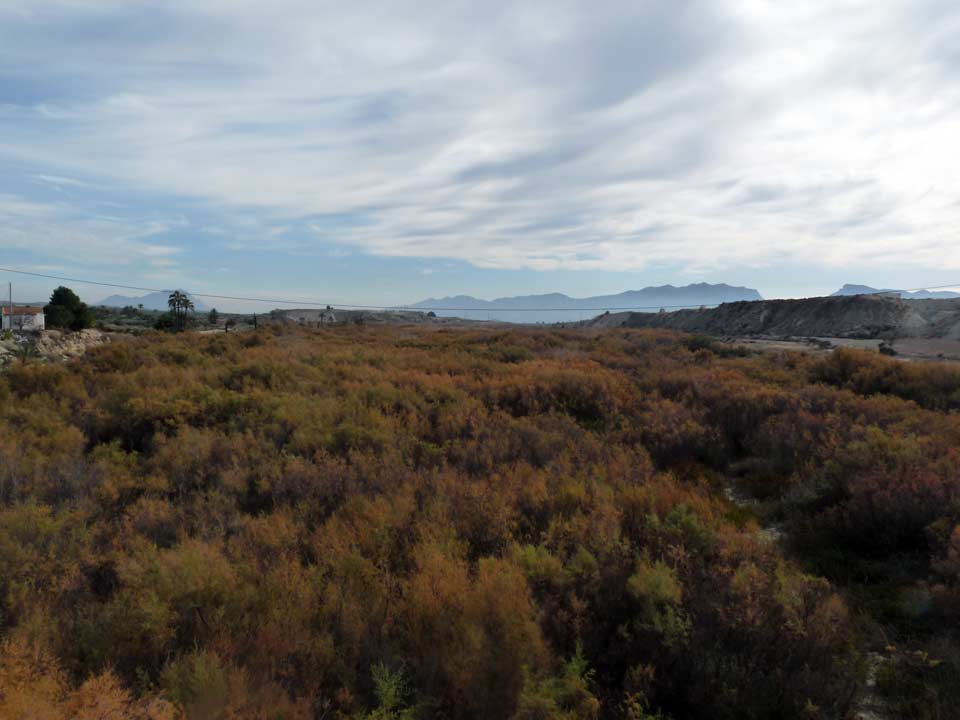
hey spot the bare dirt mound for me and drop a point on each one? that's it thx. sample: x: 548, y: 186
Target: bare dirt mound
x: 860, y: 316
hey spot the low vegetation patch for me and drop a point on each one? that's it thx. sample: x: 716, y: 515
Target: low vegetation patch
x: 401, y: 523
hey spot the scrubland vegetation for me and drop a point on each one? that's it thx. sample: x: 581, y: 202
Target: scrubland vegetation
x: 358, y: 523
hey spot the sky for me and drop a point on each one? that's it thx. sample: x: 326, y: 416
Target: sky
x: 382, y: 152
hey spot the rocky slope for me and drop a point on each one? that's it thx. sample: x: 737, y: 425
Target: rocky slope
x: 859, y: 316
x: 50, y: 345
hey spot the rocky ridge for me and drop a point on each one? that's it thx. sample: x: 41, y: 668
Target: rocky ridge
x: 858, y: 316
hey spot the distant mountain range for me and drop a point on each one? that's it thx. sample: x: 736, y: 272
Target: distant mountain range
x: 918, y: 295
x: 528, y: 308
x: 152, y: 301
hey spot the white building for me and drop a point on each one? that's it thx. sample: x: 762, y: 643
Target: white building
x: 23, y: 318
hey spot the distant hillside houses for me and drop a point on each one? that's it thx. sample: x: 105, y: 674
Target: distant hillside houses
x: 23, y: 318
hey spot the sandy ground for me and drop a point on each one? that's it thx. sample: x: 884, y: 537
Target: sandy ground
x: 909, y: 349
x: 928, y: 349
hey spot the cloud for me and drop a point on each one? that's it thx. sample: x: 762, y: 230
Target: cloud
x: 547, y: 135
x: 59, y: 230
x: 59, y: 182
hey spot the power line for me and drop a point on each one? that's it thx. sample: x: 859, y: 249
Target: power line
x: 195, y: 294
x: 910, y: 290
x: 343, y: 306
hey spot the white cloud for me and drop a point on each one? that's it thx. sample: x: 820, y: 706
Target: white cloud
x: 59, y: 182
x: 56, y: 230
x: 561, y: 134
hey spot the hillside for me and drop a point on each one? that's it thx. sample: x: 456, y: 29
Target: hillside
x: 854, y: 316
x: 567, y: 308
x: 388, y: 522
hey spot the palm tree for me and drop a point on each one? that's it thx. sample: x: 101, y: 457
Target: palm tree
x: 173, y: 302
x: 179, y: 303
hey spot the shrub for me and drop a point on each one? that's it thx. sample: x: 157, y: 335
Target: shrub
x: 473, y: 523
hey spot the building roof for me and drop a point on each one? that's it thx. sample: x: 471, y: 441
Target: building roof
x: 23, y: 310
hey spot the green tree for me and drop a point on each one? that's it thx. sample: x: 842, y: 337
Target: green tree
x: 66, y: 310
x: 391, y: 690
x: 567, y: 696
x: 214, y: 317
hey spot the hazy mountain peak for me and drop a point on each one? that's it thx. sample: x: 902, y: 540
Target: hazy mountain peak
x: 851, y: 289
x: 151, y: 301
x: 558, y: 307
